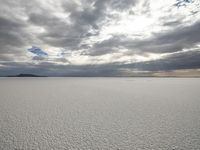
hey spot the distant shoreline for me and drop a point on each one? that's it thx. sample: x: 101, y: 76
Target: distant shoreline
x: 34, y: 75
x: 25, y: 75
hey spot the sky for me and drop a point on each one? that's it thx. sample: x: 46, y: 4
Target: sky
x: 99, y: 37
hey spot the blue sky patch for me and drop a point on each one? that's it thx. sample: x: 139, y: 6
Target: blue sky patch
x: 37, y: 51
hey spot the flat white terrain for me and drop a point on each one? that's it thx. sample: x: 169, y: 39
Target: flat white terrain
x: 99, y: 113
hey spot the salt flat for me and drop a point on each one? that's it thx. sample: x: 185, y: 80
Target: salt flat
x: 99, y: 113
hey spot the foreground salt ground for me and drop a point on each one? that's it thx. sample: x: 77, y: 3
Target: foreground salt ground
x: 99, y: 113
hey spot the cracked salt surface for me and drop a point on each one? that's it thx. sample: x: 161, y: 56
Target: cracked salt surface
x: 99, y: 113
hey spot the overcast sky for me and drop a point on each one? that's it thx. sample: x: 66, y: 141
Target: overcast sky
x: 98, y: 37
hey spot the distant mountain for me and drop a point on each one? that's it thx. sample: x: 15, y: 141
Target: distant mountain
x: 26, y: 75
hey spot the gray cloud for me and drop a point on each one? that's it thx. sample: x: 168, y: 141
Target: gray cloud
x: 11, y: 34
x: 82, y: 20
x: 172, y: 23
x: 122, y: 4
x: 182, y: 3
x: 171, y: 41
x: 184, y: 37
x: 20, y: 23
x: 184, y: 60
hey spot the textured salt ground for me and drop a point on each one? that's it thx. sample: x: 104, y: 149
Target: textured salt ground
x: 99, y: 113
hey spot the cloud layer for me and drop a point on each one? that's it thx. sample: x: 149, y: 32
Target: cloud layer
x: 98, y: 37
